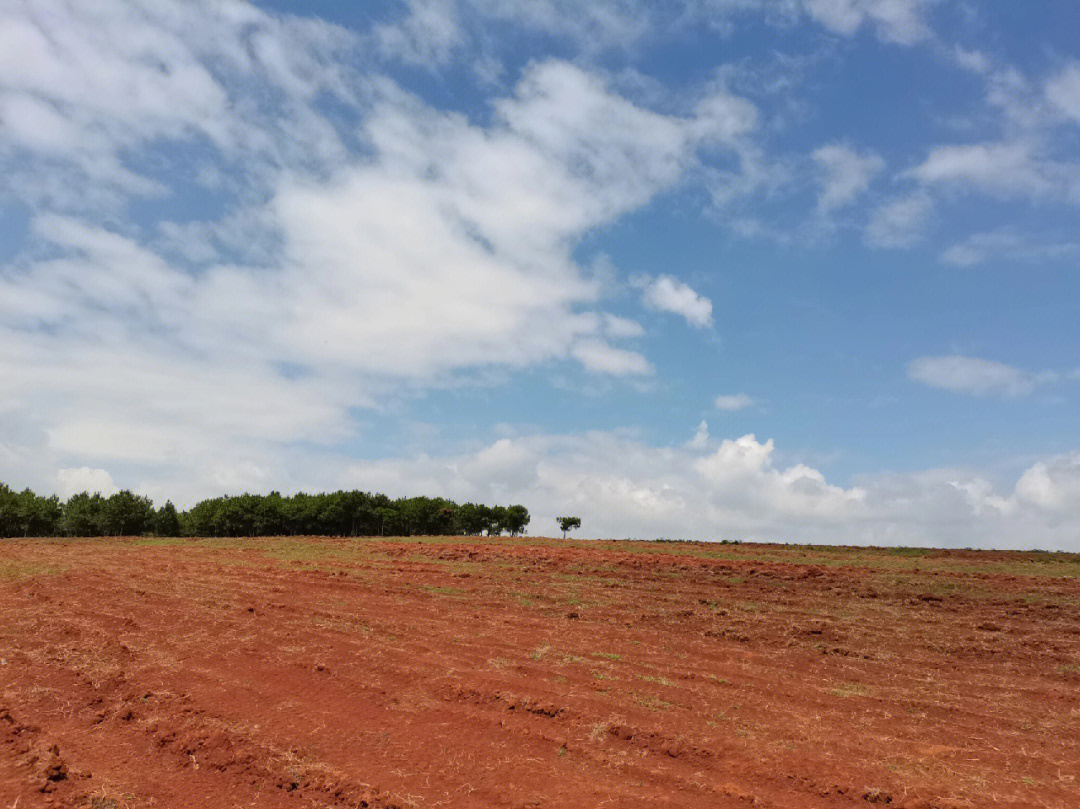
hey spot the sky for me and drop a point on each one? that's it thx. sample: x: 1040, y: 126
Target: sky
x: 787, y: 270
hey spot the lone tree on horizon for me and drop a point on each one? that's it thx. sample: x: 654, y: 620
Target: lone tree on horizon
x: 568, y: 524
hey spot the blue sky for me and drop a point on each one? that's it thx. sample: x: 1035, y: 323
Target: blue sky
x: 800, y: 270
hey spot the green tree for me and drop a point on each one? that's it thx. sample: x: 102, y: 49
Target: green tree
x: 8, y: 526
x: 469, y: 520
x: 341, y: 513
x: 24, y: 514
x: 84, y: 516
x: 568, y: 524
x: 166, y: 522
x: 127, y: 514
x: 514, y: 519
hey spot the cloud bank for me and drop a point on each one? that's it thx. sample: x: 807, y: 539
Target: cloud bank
x: 736, y: 489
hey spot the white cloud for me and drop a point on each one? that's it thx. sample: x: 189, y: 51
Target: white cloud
x: 1063, y: 91
x: 446, y: 247
x: 900, y: 222
x: 974, y: 375
x: 598, y: 356
x: 978, y: 247
x: 900, y: 21
x: 737, y: 401
x: 1032, y: 158
x: 452, y: 250
x: 86, y: 86
x: 972, y: 60
x: 432, y: 32
x: 742, y: 469
x: 1004, y: 169
x: 431, y: 246
x: 845, y: 174
x: 668, y: 294
x: 620, y: 327
x: 1005, y: 244
x: 701, y: 437
x: 428, y: 35
x: 621, y: 487
x: 1053, y: 486
x: 84, y: 479
x: 507, y: 466
x: 999, y: 166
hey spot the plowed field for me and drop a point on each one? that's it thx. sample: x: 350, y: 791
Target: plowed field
x: 470, y: 672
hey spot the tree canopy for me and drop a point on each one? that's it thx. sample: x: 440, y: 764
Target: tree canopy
x: 341, y: 513
x: 568, y: 524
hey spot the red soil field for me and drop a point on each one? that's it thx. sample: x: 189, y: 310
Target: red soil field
x: 470, y: 672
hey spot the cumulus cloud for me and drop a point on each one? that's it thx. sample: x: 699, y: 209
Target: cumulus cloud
x: 736, y: 401
x: 973, y: 375
x: 668, y: 294
x: 84, y: 479
x: 1053, y: 486
x: 734, y: 488
x: 622, y: 487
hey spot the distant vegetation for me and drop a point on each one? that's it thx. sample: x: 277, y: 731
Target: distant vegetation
x: 354, y: 513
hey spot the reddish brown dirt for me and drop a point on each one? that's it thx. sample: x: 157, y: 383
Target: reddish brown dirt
x: 496, y: 673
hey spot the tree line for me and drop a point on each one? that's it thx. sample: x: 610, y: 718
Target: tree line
x: 341, y: 513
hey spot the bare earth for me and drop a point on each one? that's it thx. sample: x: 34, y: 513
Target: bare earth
x: 468, y: 672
